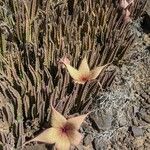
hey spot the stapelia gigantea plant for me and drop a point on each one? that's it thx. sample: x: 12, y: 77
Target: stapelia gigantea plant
x: 34, y: 36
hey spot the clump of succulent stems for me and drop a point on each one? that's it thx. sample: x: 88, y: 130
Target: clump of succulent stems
x: 42, y: 43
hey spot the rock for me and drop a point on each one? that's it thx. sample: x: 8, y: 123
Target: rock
x: 88, y: 139
x: 145, y: 117
x: 148, y: 130
x: 102, y: 119
x: 100, y: 144
x: 136, y: 131
x: 37, y: 147
x: 138, y: 142
x: 122, y: 119
x: 82, y: 147
x: 134, y: 121
x: 88, y: 147
x: 147, y: 145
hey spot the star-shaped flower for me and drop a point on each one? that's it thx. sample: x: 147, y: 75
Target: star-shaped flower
x: 83, y: 74
x: 63, y: 133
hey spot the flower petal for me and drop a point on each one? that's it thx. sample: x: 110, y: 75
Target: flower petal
x: 77, y: 121
x: 57, y: 120
x: 74, y: 137
x: 64, y: 60
x: 79, y: 81
x: 74, y: 73
x: 84, y: 67
x: 123, y: 4
x: 49, y: 136
x: 63, y: 143
x: 127, y: 16
x: 96, y: 71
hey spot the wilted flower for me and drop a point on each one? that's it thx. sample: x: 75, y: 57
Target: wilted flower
x: 124, y: 4
x: 83, y: 74
x: 127, y: 17
x: 63, y: 133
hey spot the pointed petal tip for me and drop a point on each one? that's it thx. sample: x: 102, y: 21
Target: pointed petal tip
x: 57, y: 119
x: 64, y: 60
x: 48, y: 136
x: 94, y: 73
x: 74, y: 73
x: 84, y: 67
x: 78, y: 120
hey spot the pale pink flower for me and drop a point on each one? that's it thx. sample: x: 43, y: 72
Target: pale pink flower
x: 63, y: 133
x: 83, y: 73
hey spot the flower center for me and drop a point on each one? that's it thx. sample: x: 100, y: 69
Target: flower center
x: 65, y: 129
x: 84, y: 78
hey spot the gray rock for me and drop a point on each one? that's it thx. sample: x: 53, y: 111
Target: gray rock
x: 145, y: 117
x: 137, y: 131
x: 103, y: 119
x: 88, y: 139
x: 100, y: 144
x: 122, y: 119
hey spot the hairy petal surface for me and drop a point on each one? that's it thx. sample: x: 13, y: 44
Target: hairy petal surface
x: 49, y: 136
x: 74, y: 73
x: 96, y: 71
x: 63, y: 143
x: 77, y: 121
x: 57, y: 120
x: 74, y: 137
x: 84, y: 67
